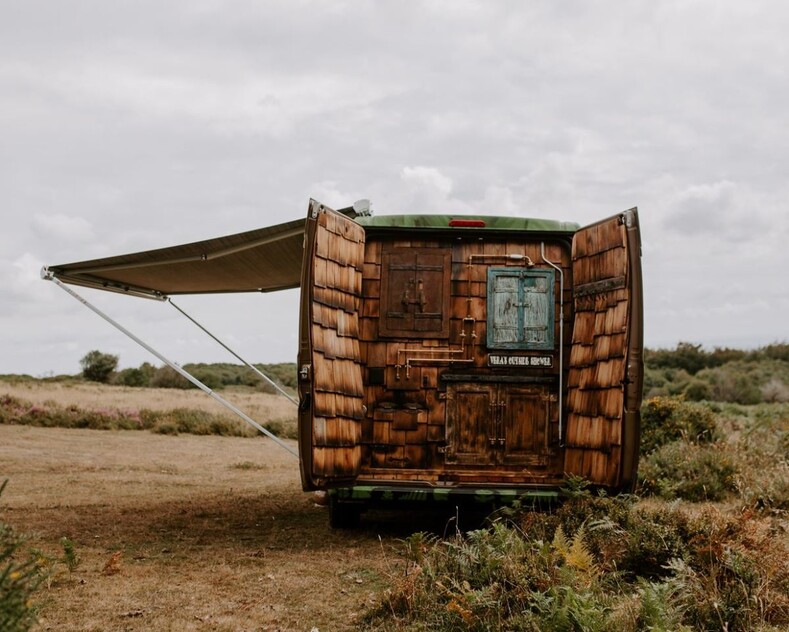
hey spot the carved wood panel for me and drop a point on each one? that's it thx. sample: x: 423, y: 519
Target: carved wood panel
x: 415, y: 293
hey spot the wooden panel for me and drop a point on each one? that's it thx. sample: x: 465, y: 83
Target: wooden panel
x: 372, y: 252
x: 407, y: 419
x: 368, y: 329
x: 469, y: 416
x: 415, y: 293
x: 503, y: 307
x: 337, y: 390
x: 595, y: 401
x: 524, y: 423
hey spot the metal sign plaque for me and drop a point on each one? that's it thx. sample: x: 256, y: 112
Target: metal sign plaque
x: 505, y: 360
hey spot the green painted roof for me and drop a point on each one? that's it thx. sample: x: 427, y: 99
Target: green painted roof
x: 491, y: 223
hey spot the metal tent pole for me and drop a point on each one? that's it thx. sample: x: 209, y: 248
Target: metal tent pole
x: 281, y: 390
x: 46, y: 274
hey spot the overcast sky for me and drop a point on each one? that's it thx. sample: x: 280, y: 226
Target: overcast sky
x: 126, y: 126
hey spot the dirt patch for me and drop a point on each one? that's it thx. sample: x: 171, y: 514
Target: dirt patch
x: 214, y: 533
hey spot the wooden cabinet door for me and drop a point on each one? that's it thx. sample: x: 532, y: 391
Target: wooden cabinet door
x: 471, y: 424
x: 415, y: 292
x: 524, y: 417
x: 497, y: 424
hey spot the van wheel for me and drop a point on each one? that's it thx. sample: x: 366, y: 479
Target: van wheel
x: 344, y: 515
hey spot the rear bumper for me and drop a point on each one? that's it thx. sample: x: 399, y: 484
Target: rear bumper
x: 370, y: 495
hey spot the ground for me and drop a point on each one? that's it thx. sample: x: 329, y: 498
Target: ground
x: 214, y: 533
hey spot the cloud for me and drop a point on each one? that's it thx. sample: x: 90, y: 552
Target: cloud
x: 720, y: 210
x: 21, y: 286
x: 427, y: 178
x: 69, y: 228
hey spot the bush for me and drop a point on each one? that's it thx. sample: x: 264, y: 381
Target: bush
x: 697, y: 391
x: 19, y: 578
x: 626, y: 567
x: 762, y: 453
x: 140, y: 376
x: 688, y: 471
x: 776, y: 390
x: 733, y: 383
x: 166, y: 377
x: 686, y: 356
x: 98, y: 366
x: 667, y: 419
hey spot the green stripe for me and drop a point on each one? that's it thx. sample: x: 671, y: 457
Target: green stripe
x: 491, y: 223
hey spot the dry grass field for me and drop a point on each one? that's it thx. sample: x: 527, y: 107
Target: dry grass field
x: 205, y: 532
x: 91, y: 395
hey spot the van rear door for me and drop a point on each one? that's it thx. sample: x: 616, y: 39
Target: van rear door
x: 605, y: 376
x: 329, y: 361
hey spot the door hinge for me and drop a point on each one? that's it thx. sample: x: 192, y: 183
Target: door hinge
x: 627, y: 219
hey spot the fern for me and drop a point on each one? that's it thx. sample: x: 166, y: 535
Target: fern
x: 580, y: 556
x: 560, y: 542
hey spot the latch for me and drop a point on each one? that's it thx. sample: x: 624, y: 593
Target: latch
x: 304, y: 372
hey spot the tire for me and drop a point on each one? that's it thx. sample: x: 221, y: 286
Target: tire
x: 344, y: 515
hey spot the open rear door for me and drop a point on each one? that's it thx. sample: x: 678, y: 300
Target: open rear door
x: 330, y: 373
x: 606, y: 367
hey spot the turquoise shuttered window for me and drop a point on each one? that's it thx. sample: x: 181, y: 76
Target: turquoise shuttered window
x: 520, y: 308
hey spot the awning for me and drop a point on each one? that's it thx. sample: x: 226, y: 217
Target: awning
x: 261, y: 260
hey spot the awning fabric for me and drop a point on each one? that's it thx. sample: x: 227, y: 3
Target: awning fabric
x: 261, y: 260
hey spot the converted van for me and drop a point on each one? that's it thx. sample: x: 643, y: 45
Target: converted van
x: 440, y: 357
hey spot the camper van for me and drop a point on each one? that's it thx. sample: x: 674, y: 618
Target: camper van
x: 440, y: 357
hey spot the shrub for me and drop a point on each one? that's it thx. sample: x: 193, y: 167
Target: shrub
x: 131, y: 377
x: 98, y: 366
x: 658, y: 569
x: 776, y: 390
x: 19, y: 577
x: 762, y: 453
x: 136, y: 377
x: 776, y: 351
x: 697, y: 390
x: 667, y: 419
x: 736, y: 577
x: 688, y: 471
x: 166, y: 377
x: 686, y: 356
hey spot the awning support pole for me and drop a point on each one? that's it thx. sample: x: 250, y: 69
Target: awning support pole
x: 51, y: 277
x: 279, y: 389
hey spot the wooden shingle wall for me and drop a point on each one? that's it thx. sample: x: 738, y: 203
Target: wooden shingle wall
x: 338, y: 395
x: 404, y: 431
x: 595, y: 392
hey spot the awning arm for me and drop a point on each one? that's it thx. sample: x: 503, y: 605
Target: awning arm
x: 47, y: 275
x: 279, y: 389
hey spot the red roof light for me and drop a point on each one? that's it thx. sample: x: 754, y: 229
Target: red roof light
x: 467, y: 223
